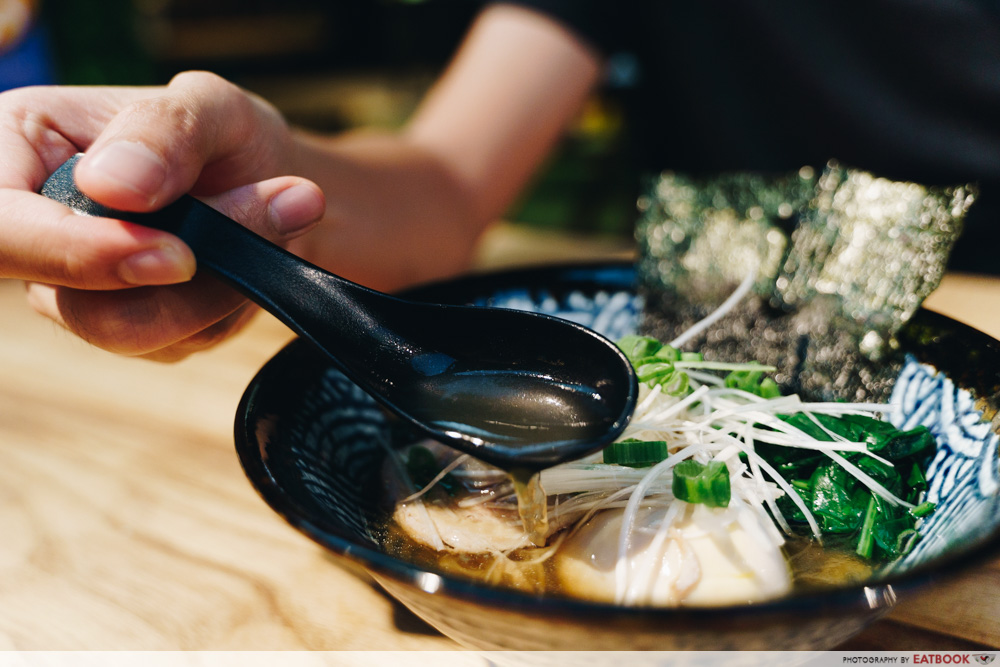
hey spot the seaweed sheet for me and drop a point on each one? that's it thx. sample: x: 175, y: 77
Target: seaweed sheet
x: 841, y: 260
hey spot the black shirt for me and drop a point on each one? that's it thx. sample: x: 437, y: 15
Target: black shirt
x: 908, y: 89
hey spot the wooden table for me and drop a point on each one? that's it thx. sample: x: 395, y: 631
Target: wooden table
x: 126, y: 522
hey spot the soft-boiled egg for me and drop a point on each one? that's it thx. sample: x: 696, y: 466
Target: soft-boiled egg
x: 705, y: 556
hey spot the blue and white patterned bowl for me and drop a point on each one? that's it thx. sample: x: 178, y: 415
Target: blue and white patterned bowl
x: 310, y: 442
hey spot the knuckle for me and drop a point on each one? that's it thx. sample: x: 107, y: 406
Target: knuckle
x: 219, y: 90
x: 207, y: 106
x: 196, y: 78
x: 37, y: 137
x: 233, y: 118
x: 171, y: 112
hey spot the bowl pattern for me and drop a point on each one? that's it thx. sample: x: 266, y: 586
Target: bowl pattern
x: 963, y: 476
x: 311, y: 442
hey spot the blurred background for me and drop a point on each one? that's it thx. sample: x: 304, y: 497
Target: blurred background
x: 327, y: 64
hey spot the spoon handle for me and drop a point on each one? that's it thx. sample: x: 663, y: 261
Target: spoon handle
x: 296, y: 292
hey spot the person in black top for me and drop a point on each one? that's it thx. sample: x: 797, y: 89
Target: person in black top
x: 907, y: 90
x: 910, y: 91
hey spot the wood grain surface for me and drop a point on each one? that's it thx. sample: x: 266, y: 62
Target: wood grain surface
x: 126, y: 522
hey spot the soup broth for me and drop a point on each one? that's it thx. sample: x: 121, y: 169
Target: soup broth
x: 535, y: 570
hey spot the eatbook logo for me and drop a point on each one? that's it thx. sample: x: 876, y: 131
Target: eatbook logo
x: 985, y: 658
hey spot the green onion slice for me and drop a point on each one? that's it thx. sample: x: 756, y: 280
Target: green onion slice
x: 636, y: 453
x: 707, y: 484
x: 639, y: 347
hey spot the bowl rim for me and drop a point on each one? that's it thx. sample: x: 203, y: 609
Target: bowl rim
x: 833, y: 600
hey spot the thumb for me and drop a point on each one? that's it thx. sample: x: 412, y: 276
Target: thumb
x: 156, y: 316
x: 157, y: 148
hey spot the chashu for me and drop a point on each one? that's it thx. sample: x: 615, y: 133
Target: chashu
x: 436, y: 520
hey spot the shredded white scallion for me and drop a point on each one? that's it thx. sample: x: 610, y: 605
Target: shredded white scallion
x: 459, y: 460
x: 717, y: 314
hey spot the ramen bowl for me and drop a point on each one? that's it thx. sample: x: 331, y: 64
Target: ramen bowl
x: 312, y: 443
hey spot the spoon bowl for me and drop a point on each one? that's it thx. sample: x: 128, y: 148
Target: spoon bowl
x: 518, y: 390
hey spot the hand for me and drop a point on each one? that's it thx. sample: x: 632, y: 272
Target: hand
x: 120, y: 286
x: 404, y: 207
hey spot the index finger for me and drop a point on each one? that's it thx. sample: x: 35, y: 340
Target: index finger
x: 44, y: 241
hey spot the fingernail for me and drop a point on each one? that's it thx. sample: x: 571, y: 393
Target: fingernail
x: 164, y: 265
x: 130, y: 165
x: 296, y: 209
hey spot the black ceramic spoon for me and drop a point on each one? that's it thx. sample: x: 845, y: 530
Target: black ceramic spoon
x: 518, y: 390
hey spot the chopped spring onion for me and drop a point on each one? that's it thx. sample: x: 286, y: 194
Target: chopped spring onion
x: 753, y: 381
x: 705, y: 483
x: 654, y: 363
x: 636, y: 453
x: 639, y: 347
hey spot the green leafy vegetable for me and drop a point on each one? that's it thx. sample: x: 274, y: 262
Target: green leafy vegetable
x: 754, y: 381
x: 832, y: 500
x: 865, y: 542
x: 839, y: 501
